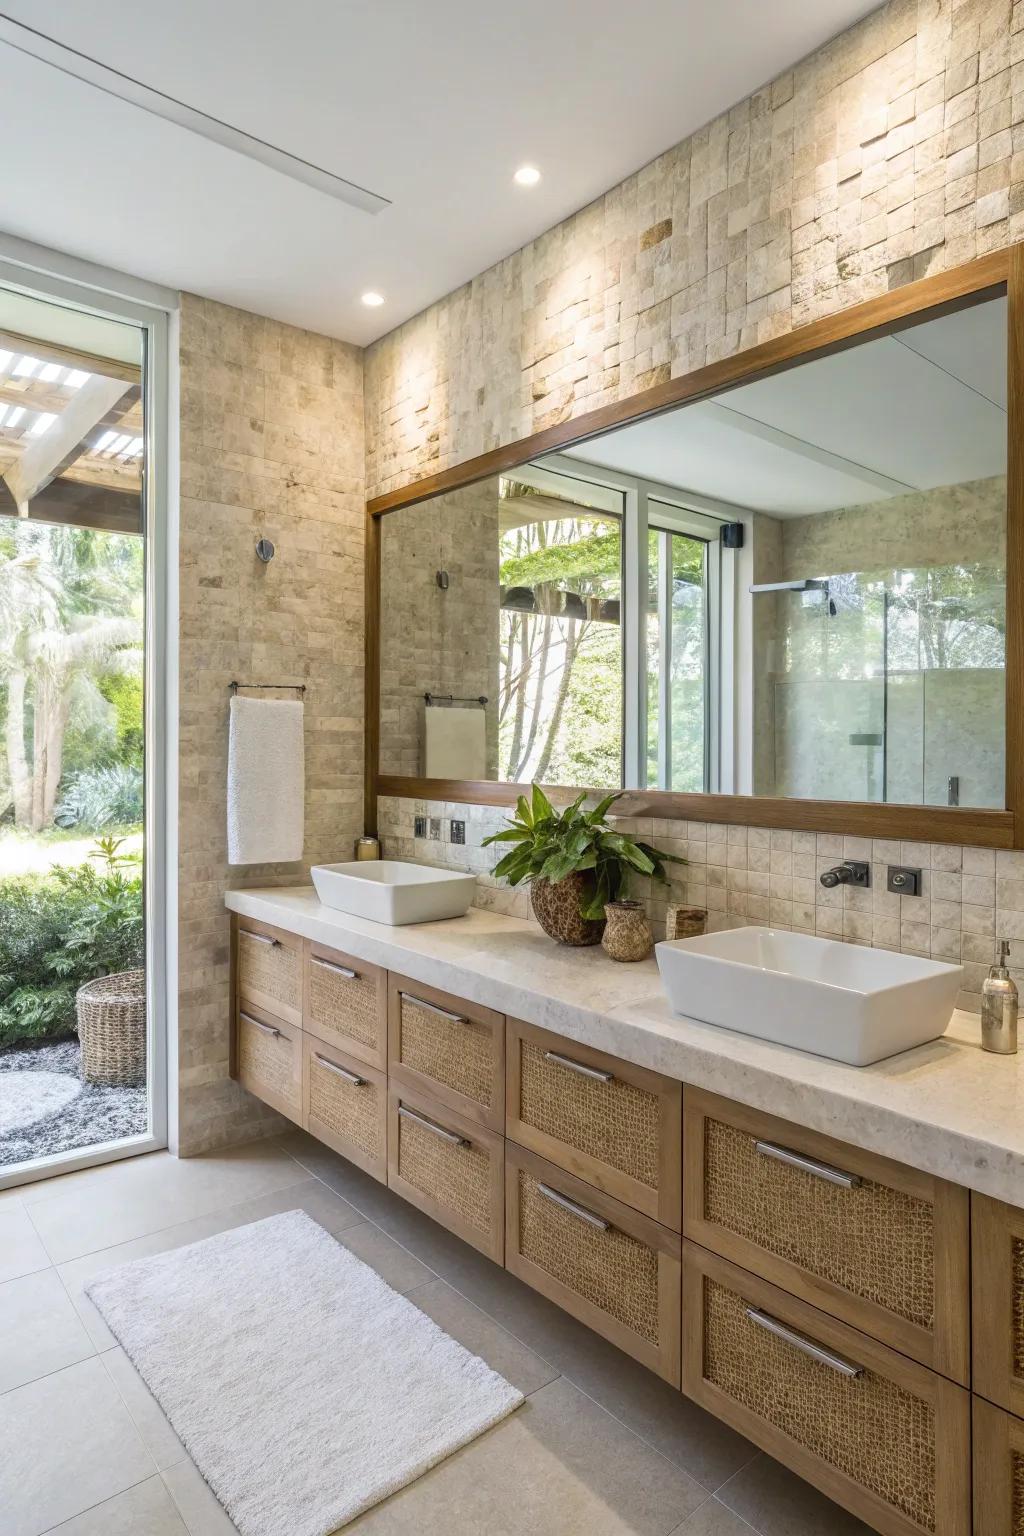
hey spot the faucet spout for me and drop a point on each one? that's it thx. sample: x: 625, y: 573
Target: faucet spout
x: 850, y: 872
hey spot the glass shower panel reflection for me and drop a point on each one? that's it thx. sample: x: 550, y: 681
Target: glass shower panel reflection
x: 829, y: 692
x: 887, y: 687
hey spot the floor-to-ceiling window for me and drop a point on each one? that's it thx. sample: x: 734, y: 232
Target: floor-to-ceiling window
x: 78, y: 1072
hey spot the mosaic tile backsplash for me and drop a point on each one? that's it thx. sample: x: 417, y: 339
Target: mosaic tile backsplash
x: 970, y: 897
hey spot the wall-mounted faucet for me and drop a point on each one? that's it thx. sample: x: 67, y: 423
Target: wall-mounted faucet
x: 850, y: 872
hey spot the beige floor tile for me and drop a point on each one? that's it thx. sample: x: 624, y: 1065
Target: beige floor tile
x: 145, y: 1510
x: 145, y: 1194
x: 714, y: 1519
x: 778, y: 1503
x: 21, y: 1251
x: 40, y: 1331
x: 147, y: 1415
x: 704, y: 1448
x: 367, y: 1194
x: 559, y: 1466
x: 68, y: 1443
x: 395, y: 1264
x: 483, y: 1336
x: 310, y: 1196
x: 195, y: 1501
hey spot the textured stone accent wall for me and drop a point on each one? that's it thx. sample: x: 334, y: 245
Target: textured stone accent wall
x: 894, y: 151
x: 434, y: 639
x: 271, y: 443
x: 749, y: 874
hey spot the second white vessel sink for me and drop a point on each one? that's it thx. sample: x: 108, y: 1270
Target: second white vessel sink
x: 845, y: 1001
x: 390, y: 891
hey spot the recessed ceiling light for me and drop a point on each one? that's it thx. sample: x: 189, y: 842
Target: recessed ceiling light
x: 373, y: 300
x: 527, y: 176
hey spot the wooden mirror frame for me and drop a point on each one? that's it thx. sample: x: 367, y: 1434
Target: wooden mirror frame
x: 989, y: 276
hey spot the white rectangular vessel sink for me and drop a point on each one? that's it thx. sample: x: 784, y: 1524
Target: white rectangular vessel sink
x: 844, y: 1001
x: 390, y: 891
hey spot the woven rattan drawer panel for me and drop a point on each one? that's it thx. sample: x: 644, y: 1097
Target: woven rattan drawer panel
x: 615, y: 1125
x: 345, y: 1104
x: 998, y: 1471
x: 268, y: 1053
x: 997, y: 1263
x: 268, y: 969
x: 448, y: 1166
x: 614, y: 1269
x: 448, y: 1048
x: 878, y: 1432
x: 345, y: 1003
x: 879, y: 1245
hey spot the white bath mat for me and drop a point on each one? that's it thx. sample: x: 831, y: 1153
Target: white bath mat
x: 304, y: 1388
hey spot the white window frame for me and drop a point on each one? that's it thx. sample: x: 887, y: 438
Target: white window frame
x: 679, y: 511
x: 60, y: 279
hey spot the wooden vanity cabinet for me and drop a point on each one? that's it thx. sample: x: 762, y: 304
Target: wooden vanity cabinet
x: 453, y: 1050
x: 345, y: 1105
x: 268, y: 969
x: 614, y: 1125
x: 449, y: 1167
x: 344, y: 1003
x: 885, y: 1437
x: 268, y: 1055
x: 875, y: 1243
x: 998, y: 1471
x: 997, y: 1232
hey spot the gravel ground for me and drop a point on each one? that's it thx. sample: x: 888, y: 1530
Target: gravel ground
x: 95, y: 1114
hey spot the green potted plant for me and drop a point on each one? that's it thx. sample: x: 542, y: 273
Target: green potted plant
x: 576, y: 863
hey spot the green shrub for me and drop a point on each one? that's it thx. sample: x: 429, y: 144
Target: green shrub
x: 102, y: 797
x: 60, y: 930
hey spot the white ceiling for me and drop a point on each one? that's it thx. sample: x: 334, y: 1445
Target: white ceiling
x: 431, y: 103
x: 903, y: 413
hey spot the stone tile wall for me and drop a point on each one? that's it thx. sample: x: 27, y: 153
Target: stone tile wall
x: 970, y: 896
x: 271, y: 443
x: 894, y: 151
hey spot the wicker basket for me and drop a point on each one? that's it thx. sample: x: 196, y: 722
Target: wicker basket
x: 112, y: 1028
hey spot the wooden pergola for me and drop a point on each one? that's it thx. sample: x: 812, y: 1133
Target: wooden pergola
x: 71, y: 436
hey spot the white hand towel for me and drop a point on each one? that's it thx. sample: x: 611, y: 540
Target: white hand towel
x: 454, y: 743
x: 266, y: 781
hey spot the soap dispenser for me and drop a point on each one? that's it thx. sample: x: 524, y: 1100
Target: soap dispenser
x: 999, y: 1007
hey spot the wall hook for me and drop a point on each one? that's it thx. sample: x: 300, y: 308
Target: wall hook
x: 264, y: 550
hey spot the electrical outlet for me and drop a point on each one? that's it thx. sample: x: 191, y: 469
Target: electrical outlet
x: 457, y: 831
x: 419, y: 826
x: 435, y: 829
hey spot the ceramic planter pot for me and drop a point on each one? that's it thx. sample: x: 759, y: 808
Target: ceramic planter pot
x: 557, y: 909
x: 627, y: 935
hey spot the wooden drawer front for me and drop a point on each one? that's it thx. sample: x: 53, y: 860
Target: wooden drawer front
x: 615, y: 1270
x: 449, y: 1167
x: 345, y: 1104
x: 998, y: 1472
x: 268, y: 969
x: 269, y: 1056
x: 606, y: 1121
x: 880, y: 1245
x: 875, y: 1431
x: 345, y: 1003
x: 450, y: 1049
x: 997, y: 1263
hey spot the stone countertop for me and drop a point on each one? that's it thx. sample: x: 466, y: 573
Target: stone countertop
x: 948, y: 1108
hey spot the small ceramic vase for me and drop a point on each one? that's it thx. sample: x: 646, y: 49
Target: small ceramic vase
x: 627, y: 934
x: 685, y: 922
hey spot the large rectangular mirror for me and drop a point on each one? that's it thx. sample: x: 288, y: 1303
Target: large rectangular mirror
x: 794, y: 588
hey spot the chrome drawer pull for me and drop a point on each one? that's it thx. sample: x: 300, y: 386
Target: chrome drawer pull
x: 577, y: 1066
x: 268, y: 1029
x: 338, y: 970
x: 429, y: 1125
x: 805, y: 1345
x: 565, y: 1204
x: 261, y: 938
x: 808, y: 1164
x: 443, y: 1013
x: 332, y: 1066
